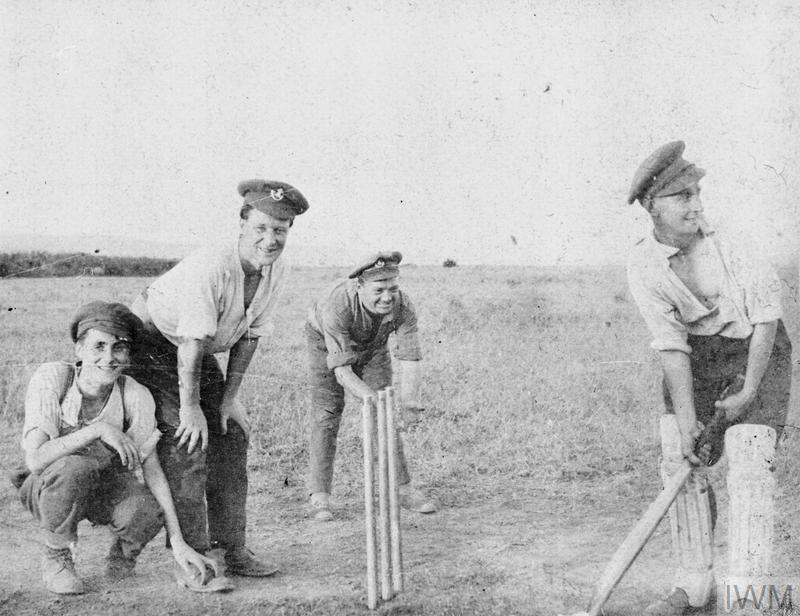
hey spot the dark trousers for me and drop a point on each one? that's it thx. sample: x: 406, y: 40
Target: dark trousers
x: 327, y: 405
x: 720, y: 363
x: 76, y: 487
x: 209, y: 488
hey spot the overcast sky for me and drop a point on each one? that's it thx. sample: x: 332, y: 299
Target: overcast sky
x: 486, y: 131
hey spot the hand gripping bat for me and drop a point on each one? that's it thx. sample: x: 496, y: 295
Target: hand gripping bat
x: 708, y: 448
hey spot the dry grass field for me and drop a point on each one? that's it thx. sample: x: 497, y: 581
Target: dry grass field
x: 539, y: 442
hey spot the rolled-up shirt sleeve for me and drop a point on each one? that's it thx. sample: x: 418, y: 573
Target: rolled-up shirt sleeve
x: 406, y: 342
x: 198, y: 307
x: 42, y: 406
x: 140, y: 417
x: 660, y: 316
x: 336, y: 330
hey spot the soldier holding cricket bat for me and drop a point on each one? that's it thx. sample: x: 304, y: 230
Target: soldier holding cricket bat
x: 715, y: 317
x: 346, y: 335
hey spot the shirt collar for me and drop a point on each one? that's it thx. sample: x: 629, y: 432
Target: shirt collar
x: 664, y: 250
x: 667, y: 251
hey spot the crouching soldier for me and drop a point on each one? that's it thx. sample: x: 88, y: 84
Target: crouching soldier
x: 87, y: 428
x: 346, y: 334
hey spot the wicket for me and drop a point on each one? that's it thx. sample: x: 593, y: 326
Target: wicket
x: 391, y: 556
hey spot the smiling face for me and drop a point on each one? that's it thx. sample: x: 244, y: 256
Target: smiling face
x: 678, y: 215
x: 103, y: 356
x: 262, y: 239
x: 379, y: 296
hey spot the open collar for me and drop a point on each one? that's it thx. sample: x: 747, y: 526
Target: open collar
x: 268, y: 279
x: 666, y: 251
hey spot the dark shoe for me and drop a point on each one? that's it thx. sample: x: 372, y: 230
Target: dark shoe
x: 202, y: 582
x: 242, y: 561
x: 415, y: 500
x: 58, y: 572
x: 118, y: 566
x: 320, y: 506
x: 676, y: 603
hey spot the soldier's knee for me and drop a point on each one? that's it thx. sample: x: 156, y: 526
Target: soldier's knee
x: 177, y: 460
x: 72, y: 473
x: 139, y: 515
x: 328, y: 420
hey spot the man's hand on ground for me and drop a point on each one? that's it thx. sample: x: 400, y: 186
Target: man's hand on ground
x: 192, y: 562
x: 193, y: 428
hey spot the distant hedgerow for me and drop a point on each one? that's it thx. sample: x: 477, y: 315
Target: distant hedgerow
x: 44, y: 264
x: 449, y: 263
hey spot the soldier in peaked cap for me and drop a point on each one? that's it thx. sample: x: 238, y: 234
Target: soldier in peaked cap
x: 216, y: 300
x: 714, y: 313
x: 346, y: 335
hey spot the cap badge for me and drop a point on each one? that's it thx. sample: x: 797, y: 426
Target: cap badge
x: 379, y: 264
x: 276, y: 194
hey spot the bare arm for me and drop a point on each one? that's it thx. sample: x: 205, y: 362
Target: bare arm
x: 239, y: 359
x: 410, y: 381
x: 409, y: 388
x: 157, y: 483
x: 678, y: 375
x: 410, y: 401
x: 193, y: 426
x: 42, y: 451
x: 758, y: 355
x: 352, y: 384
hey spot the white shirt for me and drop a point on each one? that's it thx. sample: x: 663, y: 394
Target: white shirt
x: 44, y: 411
x: 203, y: 297
x: 749, y: 294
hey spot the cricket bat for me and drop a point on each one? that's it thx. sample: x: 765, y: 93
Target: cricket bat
x: 636, y: 540
x: 626, y: 553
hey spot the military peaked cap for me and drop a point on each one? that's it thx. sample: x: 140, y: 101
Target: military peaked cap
x: 379, y: 266
x: 664, y: 173
x: 277, y: 199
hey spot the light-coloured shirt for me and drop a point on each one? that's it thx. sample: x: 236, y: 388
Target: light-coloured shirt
x: 43, y: 410
x: 202, y: 297
x: 352, y: 334
x: 749, y: 294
